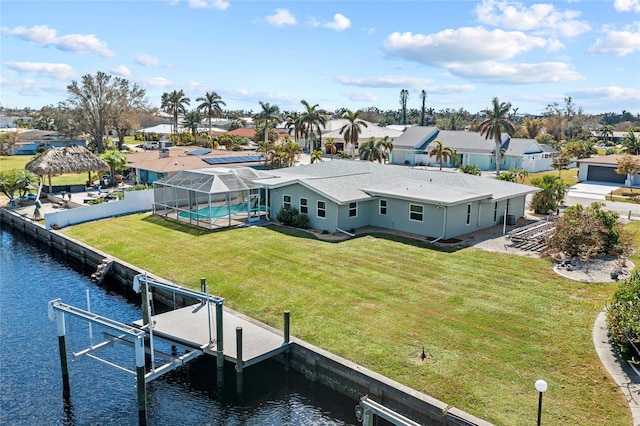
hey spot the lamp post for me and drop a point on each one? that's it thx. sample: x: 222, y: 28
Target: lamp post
x: 541, y: 387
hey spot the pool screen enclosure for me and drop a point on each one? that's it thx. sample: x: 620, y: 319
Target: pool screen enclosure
x: 211, y: 198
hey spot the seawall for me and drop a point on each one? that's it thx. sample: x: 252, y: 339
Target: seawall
x: 315, y: 363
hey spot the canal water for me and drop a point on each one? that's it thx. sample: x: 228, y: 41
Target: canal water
x: 30, y: 379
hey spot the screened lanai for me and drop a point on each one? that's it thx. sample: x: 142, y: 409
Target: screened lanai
x: 211, y: 198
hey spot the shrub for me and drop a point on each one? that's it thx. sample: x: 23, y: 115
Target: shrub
x: 623, y: 319
x: 291, y: 217
x: 300, y: 220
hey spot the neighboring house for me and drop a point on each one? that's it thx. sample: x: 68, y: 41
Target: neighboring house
x: 31, y: 140
x: 413, y: 147
x: 618, y: 137
x: 332, y: 130
x: 343, y: 195
x: 150, y: 166
x: 603, y: 169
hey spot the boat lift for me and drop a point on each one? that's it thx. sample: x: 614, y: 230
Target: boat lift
x: 135, y: 337
x: 367, y: 408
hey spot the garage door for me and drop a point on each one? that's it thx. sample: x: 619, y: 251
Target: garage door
x: 605, y: 174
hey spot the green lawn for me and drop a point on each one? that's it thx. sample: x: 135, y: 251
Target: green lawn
x: 491, y: 324
x: 569, y: 176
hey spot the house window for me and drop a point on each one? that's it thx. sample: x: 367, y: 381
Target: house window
x: 304, y: 207
x: 353, y: 209
x: 416, y: 212
x: 286, y: 201
x: 495, y: 212
x: 383, y: 207
x: 322, y: 209
x: 468, y: 214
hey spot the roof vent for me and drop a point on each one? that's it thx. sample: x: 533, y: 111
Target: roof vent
x: 163, y: 152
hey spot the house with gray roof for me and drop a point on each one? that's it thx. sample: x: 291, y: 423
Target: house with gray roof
x: 414, y: 145
x: 31, y: 140
x: 343, y: 195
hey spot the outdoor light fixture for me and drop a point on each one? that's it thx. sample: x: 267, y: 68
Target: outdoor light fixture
x: 541, y: 387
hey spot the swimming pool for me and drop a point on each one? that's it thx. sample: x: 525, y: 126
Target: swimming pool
x: 217, y: 212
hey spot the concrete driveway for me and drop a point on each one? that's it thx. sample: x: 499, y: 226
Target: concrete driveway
x: 593, y: 190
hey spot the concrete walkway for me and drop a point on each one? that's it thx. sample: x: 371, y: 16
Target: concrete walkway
x: 624, y: 375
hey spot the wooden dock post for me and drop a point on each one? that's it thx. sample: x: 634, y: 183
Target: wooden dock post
x: 239, y: 363
x: 64, y: 366
x: 287, y: 316
x: 219, y: 345
x: 140, y: 381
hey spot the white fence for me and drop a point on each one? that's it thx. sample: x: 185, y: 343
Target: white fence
x: 133, y: 202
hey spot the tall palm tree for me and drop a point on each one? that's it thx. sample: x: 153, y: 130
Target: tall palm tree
x: 423, y: 97
x: 404, y: 97
x: 294, y: 125
x: 174, y: 103
x: 352, y: 129
x: 311, y: 120
x: 496, y: 120
x: 443, y: 154
x: 210, y: 104
x: 270, y: 115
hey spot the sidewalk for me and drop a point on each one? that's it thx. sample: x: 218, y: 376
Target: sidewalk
x: 624, y: 375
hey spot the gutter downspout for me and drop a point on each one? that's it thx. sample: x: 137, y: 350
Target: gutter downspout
x: 444, y: 226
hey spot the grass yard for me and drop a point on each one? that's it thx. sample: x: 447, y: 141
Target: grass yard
x: 491, y: 324
x: 569, y: 176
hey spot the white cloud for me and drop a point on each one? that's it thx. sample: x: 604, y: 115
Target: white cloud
x: 159, y: 82
x: 209, y: 4
x: 507, y: 73
x: 147, y: 60
x: 385, y: 81
x: 339, y: 23
x: 78, y: 43
x: 620, y: 43
x: 36, y: 88
x: 540, y: 17
x: 121, y: 70
x: 58, y: 71
x: 627, y: 5
x: 281, y: 17
x: 360, y: 96
x: 608, y: 94
x: 463, y: 45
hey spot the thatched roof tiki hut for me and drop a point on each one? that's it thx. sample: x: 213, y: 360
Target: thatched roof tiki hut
x: 59, y: 161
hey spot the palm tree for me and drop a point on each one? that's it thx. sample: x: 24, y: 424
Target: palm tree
x: 441, y: 153
x: 292, y: 151
x: 386, y: 147
x: 174, y: 103
x: 404, y: 97
x: 553, y: 190
x: 352, y: 129
x: 330, y: 144
x: 311, y: 120
x: 210, y: 104
x: 316, y: 156
x: 497, y: 120
x: 270, y: 114
x: 192, y: 120
x: 631, y: 142
x: 423, y: 96
x: 293, y: 124
x: 605, y: 132
x: 370, y: 150
x: 116, y: 161
x: 532, y: 126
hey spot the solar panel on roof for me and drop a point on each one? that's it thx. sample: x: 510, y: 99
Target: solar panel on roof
x: 203, y: 151
x: 230, y: 160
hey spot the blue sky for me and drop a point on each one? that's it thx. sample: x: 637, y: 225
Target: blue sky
x: 352, y: 54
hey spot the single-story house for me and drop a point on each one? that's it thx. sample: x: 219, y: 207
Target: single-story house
x: 615, y: 137
x: 31, y: 140
x: 413, y: 147
x: 603, y: 169
x: 343, y: 195
x: 332, y: 130
x: 149, y: 166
